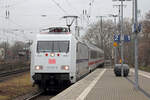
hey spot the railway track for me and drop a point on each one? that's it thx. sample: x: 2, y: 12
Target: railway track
x: 5, y: 75
x: 41, y: 97
x: 38, y: 95
x: 34, y: 96
x: 29, y: 96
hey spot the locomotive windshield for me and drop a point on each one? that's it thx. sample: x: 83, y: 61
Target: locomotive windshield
x: 53, y: 46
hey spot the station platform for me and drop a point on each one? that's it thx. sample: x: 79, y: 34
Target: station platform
x: 102, y: 84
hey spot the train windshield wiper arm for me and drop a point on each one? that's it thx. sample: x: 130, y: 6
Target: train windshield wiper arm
x: 59, y: 47
x: 44, y: 50
x: 67, y: 50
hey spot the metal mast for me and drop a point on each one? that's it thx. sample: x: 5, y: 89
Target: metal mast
x: 136, y: 44
x: 122, y: 38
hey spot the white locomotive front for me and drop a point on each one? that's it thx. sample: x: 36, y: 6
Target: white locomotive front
x: 52, y: 59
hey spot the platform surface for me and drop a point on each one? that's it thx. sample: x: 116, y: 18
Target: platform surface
x: 102, y: 84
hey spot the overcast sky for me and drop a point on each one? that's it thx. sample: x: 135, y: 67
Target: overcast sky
x: 26, y: 14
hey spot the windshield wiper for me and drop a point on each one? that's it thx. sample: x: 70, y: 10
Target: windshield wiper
x: 59, y: 47
x: 67, y: 49
x: 44, y: 50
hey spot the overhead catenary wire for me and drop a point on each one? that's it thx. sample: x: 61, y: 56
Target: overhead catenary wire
x: 11, y: 21
x: 6, y: 22
x: 76, y: 10
x: 15, y: 4
x: 21, y: 29
x: 87, y: 13
x: 58, y: 5
x: 90, y: 9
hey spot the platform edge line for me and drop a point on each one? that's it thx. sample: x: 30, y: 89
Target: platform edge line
x: 92, y: 84
x: 140, y: 73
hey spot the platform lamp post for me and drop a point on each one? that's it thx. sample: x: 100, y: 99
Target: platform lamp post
x: 115, y: 47
x: 121, y: 35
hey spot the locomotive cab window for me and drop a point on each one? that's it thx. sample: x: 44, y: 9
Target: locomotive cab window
x: 53, y: 46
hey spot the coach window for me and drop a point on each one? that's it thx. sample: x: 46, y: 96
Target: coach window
x: 93, y: 54
x: 99, y: 54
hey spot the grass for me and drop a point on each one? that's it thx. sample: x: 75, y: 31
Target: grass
x: 16, y: 86
x: 147, y: 69
x: 13, y: 66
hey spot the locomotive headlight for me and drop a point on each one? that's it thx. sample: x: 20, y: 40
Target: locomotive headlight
x: 38, y: 67
x: 65, y: 67
x: 52, y: 54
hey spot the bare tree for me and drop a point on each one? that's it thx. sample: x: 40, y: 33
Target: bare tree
x: 18, y: 45
x: 5, y: 46
x: 144, y: 45
x: 102, y: 39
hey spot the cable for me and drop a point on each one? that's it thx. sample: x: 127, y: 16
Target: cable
x: 12, y: 5
x: 90, y: 7
x: 58, y: 5
x: 72, y: 7
x: 18, y: 26
x: 15, y: 23
x: 91, y: 2
x: 18, y: 3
